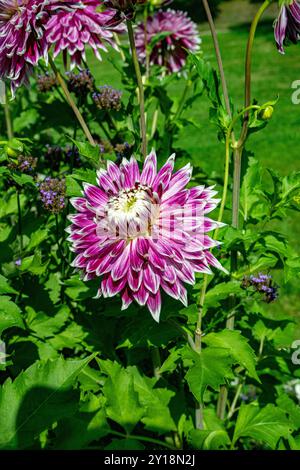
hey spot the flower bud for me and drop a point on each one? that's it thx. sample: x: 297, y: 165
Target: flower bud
x: 267, y: 113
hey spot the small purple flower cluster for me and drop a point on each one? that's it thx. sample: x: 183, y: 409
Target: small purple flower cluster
x: 81, y: 83
x: 262, y: 283
x: 108, y: 98
x: 24, y: 164
x: 46, y: 82
x: 53, y: 193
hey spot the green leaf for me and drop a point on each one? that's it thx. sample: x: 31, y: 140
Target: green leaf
x: 73, y: 188
x: 78, y: 431
x: 171, y: 362
x: 156, y: 416
x: 88, y: 150
x: 210, y: 368
x: 71, y: 337
x: 34, y: 264
x: 37, y: 398
x: 10, y: 315
x: 122, y: 401
x: 53, y: 286
x: 250, y: 190
x: 46, y: 326
x: 237, y: 346
x: 37, y: 238
x: 286, y: 404
x: 78, y: 290
x: 209, y: 440
x: 267, y: 424
x: 222, y: 291
x: 88, y: 176
x: 23, y: 179
x: 261, y: 331
x: 5, y: 288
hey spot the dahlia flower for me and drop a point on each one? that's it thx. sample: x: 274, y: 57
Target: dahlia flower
x: 71, y: 31
x: 22, y: 38
x: 178, y: 35
x: 287, y: 25
x: 143, y: 233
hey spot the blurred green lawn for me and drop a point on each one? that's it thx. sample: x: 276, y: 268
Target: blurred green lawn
x: 277, y: 146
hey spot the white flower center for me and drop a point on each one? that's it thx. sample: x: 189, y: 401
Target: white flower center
x: 132, y: 212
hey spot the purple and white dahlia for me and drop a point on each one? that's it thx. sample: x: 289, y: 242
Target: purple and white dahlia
x: 22, y: 35
x: 143, y: 233
x: 178, y: 35
x: 287, y: 25
x: 72, y: 31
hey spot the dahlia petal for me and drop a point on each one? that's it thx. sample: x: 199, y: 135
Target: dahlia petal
x: 151, y: 280
x: 121, y: 265
x: 130, y: 173
x: 126, y: 300
x: 164, y: 175
x: 149, y: 170
x: 135, y: 279
x: 141, y: 296
x: 95, y: 194
x: 154, y: 305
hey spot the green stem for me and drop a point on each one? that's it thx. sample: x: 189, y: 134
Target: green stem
x: 218, y: 55
x: 248, y: 65
x: 71, y: 102
x: 20, y: 222
x: 220, y: 216
x: 147, y: 51
x: 234, y: 402
x: 222, y: 401
x: 142, y: 438
x: 9, y: 126
x: 140, y: 87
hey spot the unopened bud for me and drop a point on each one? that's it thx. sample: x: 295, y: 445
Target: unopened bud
x: 267, y: 113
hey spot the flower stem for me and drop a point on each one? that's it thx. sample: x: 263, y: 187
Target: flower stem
x: 71, y: 102
x: 8, y: 121
x: 147, y: 51
x: 20, y: 222
x: 218, y: 55
x: 198, y: 346
x: 235, y: 400
x: 248, y: 65
x: 140, y: 87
